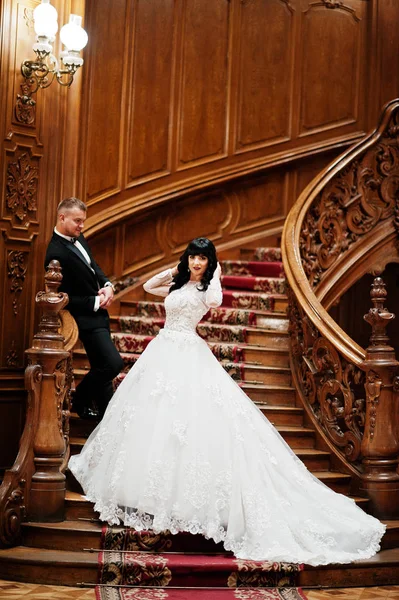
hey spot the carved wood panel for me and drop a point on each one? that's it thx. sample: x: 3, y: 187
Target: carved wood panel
x: 22, y: 177
x: 15, y: 292
x: 24, y: 114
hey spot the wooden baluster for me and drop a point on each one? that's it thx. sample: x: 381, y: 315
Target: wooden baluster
x: 47, y: 494
x: 380, y: 445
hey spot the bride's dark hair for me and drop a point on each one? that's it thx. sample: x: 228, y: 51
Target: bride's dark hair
x: 198, y: 246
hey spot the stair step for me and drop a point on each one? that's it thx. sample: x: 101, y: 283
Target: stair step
x: 263, y: 254
x: 254, y: 300
x: 66, y: 567
x: 268, y: 285
x: 54, y: 567
x: 252, y: 268
x: 85, y: 534
x: 273, y: 394
x: 272, y: 375
x: 297, y: 437
x: 282, y: 415
x: 314, y: 459
x: 68, y: 535
x: 339, y: 482
x: 382, y: 569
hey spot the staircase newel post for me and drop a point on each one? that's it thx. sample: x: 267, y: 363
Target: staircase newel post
x: 380, y: 444
x: 47, y: 494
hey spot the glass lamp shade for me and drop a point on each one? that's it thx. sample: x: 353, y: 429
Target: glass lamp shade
x: 72, y: 35
x: 45, y: 19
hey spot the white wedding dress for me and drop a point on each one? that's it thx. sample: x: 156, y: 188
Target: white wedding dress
x: 181, y: 447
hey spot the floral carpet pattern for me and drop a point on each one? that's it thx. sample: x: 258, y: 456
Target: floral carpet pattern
x: 112, y: 593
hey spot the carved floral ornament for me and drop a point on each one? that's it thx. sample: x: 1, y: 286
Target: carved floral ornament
x: 351, y: 205
x: 333, y: 388
x: 17, y: 265
x: 21, y: 187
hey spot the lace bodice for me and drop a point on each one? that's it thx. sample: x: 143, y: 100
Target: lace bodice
x: 186, y: 306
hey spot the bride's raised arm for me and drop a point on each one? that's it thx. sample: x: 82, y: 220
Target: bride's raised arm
x: 159, y: 285
x: 214, y: 294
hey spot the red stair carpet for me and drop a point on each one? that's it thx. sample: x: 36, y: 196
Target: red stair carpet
x: 146, y: 565
x: 124, y: 593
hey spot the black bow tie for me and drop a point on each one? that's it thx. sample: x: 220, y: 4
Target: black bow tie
x: 73, y: 240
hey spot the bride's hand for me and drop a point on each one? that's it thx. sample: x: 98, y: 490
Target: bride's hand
x: 218, y: 270
x: 175, y: 271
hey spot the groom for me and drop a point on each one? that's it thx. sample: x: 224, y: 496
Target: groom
x: 90, y: 294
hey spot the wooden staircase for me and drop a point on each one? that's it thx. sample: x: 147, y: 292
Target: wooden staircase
x: 65, y: 553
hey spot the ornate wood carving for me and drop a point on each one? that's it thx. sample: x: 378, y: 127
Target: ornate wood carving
x: 351, y: 205
x: 17, y: 266
x: 12, y: 358
x: 333, y: 3
x: 48, y: 482
x: 25, y: 107
x: 21, y: 187
x: 35, y: 486
x: 380, y: 443
x: 352, y: 394
x: 332, y: 387
x: 28, y: 17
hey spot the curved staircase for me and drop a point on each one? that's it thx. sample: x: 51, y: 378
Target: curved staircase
x: 249, y: 335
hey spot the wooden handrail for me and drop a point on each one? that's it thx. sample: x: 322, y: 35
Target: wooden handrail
x: 34, y: 488
x: 290, y: 246
x: 346, y: 215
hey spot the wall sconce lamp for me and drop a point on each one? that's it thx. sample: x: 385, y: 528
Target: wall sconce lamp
x: 42, y: 72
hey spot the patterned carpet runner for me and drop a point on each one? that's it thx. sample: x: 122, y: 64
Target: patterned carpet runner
x: 124, y: 593
x: 185, y: 566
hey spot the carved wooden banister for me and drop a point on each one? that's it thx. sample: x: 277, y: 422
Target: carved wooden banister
x: 34, y: 488
x: 345, y: 224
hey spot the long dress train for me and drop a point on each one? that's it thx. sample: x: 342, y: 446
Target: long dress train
x: 181, y: 447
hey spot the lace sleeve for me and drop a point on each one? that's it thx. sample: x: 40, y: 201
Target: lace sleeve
x: 214, y: 294
x: 159, y: 284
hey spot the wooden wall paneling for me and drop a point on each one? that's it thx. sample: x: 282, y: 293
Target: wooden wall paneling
x: 103, y: 116
x: 143, y: 244
x: 388, y: 20
x: 262, y: 201
x: 266, y: 67
x: 104, y: 248
x: 333, y: 66
x: 12, y: 416
x: 16, y: 291
x: 202, y: 109
x: 152, y: 45
x: 208, y: 215
x: 74, y: 128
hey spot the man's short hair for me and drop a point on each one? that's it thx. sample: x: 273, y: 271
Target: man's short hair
x: 69, y: 203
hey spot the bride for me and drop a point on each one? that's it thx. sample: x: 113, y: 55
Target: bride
x: 181, y: 447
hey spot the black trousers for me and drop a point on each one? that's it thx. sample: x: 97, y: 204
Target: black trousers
x: 105, y: 364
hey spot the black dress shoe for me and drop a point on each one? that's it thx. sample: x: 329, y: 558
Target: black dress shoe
x: 87, y: 413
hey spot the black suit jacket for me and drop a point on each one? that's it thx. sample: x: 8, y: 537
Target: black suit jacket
x: 79, y: 281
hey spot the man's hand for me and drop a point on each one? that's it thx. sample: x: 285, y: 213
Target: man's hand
x: 106, y: 296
